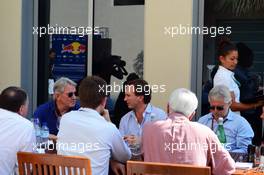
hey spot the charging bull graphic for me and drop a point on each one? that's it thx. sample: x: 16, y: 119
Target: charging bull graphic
x: 74, y: 48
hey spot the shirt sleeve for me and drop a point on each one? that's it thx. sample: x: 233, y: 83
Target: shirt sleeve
x: 244, y: 136
x: 120, y: 150
x: 223, y: 80
x: 122, y: 126
x: 29, y: 140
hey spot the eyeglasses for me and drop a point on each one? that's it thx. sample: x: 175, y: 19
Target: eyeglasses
x: 70, y: 94
x: 219, y: 108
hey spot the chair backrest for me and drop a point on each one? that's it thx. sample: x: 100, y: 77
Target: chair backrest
x: 140, y: 168
x: 52, y: 164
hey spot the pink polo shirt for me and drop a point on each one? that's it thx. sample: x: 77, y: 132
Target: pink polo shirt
x: 178, y: 140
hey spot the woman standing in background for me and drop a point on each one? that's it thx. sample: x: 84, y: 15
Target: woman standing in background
x: 228, y: 59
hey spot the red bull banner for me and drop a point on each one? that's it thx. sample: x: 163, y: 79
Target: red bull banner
x: 71, y: 56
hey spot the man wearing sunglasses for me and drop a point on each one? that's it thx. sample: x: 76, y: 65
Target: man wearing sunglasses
x: 64, y: 100
x: 237, y: 130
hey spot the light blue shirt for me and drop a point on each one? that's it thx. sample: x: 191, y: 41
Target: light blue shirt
x: 130, y: 126
x: 238, y: 132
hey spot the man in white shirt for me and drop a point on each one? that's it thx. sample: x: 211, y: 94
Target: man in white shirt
x: 17, y: 133
x: 87, y: 133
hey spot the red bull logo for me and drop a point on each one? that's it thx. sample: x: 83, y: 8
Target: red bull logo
x: 74, y: 48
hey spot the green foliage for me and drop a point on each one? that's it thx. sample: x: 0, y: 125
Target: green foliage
x: 239, y: 7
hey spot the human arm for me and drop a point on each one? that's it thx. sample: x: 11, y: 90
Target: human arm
x: 29, y: 141
x: 262, y: 115
x: 117, y: 167
x: 235, y: 106
x: 244, y: 136
x: 122, y: 128
x: 120, y: 150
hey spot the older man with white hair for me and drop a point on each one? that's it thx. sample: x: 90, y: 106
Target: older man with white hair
x: 64, y: 100
x: 238, y: 132
x: 179, y: 140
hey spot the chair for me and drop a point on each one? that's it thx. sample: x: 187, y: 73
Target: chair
x: 52, y: 164
x: 140, y: 168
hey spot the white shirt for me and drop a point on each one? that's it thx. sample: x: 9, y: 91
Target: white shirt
x: 86, y: 133
x: 226, y: 77
x: 17, y: 134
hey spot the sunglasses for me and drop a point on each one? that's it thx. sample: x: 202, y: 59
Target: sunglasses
x: 70, y: 94
x: 219, y: 108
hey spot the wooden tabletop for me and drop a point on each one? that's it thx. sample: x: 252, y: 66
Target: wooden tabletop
x: 245, y: 172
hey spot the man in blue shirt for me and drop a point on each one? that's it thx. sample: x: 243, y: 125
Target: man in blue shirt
x: 237, y: 130
x: 64, y: 101
x: 137, y: 97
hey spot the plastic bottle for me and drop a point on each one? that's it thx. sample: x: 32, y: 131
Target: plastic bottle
x: 44, y: 133
x: 220, y: 131
x: 37, y: 130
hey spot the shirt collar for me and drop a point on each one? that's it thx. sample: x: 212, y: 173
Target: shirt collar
x: 148, y: 109
x: 53, y: 105
x: 146, y: 113
x: 91, y: 111
x: 177, y: 116
x: 228, y: 117
x: 88, y: 110
x: 226, y: 70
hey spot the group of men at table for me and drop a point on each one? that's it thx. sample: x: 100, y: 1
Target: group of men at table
x: 86, y: 130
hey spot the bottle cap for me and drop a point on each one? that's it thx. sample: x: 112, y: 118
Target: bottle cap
x: 220, y: 120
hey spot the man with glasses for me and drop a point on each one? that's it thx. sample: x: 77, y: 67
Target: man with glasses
x: 180, y: 140
x: 237, y: 130
x: 64, y: 100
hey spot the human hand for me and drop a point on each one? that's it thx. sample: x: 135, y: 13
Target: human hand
x: 105, y: 114
x: 53, y: 137
x: 130, y: 139
x: 262, y: 115
x: 117, y: 167
x: 258, y: 104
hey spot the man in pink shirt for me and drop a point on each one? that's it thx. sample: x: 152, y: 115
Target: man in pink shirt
x: 179, y: 140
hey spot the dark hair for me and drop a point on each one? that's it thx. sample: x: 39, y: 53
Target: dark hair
x: 52, y: 51
x: 225, y: 47
x: 132, y: 76
x: 12, y: 98
x: 245, y: 55
x: 92, y: 91
x: 141, y: 89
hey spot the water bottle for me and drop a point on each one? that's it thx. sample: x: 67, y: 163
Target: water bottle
x: 37, y: 130
x: 220, y: 131
x: 44, y: 133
